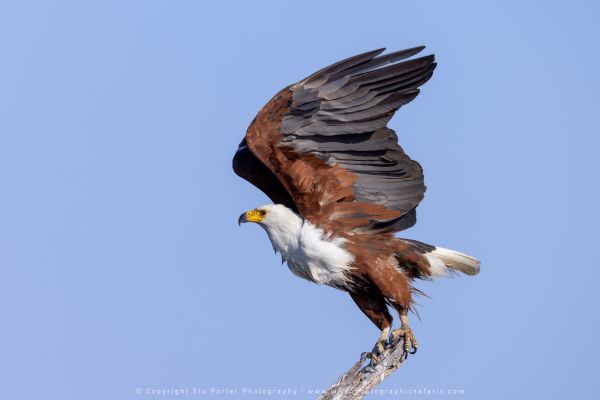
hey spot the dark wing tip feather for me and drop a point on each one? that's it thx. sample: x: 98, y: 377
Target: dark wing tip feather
x: 402, y: 54
x: 342, y: 65
x: 379, y: 61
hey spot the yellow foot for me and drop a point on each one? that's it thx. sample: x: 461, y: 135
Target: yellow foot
x: 408, y: 337
x: 377, y: 351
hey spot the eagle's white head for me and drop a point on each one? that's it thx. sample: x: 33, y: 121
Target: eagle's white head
x: 282, y: 224
x: 269, y: 215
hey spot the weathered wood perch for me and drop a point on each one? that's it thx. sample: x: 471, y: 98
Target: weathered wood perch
x: 359, y: 380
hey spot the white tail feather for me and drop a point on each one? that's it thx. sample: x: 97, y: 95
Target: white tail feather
x: 441, y: 259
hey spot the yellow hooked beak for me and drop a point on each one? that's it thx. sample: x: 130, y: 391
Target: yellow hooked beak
x: 252, y: 216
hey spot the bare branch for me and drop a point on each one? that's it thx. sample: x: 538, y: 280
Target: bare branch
x: 358, y: 381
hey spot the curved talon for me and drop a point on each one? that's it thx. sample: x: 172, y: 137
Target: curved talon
x: 408, y: 337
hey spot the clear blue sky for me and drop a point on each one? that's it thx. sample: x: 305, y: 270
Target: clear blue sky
x: 122, y: 264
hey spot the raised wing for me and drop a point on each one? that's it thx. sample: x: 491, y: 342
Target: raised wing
x: 325, y: 143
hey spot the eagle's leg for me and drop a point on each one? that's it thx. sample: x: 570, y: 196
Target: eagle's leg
x: 376, y: 310
x: 405, y: 333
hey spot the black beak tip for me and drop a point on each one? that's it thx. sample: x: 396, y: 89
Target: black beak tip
x: 242, y: 219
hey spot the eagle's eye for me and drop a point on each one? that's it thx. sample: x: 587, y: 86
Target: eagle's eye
x: 262, y: 212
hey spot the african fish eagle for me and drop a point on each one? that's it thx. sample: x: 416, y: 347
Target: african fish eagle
x: 322, y: 152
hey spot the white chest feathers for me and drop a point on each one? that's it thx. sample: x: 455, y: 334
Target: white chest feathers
x: 317, y: 258
x: 309, y: 253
